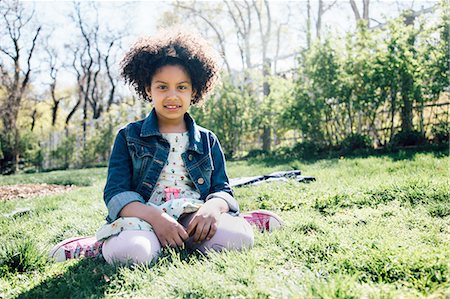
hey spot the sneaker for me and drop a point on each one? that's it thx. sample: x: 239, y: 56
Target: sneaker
x: 264, y: 220
x: 75, y: 248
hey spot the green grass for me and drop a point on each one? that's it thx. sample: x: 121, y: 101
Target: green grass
x: 79, y: 177
x: 376, y: 227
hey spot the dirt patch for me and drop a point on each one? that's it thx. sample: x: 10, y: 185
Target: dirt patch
x: 30, y: 190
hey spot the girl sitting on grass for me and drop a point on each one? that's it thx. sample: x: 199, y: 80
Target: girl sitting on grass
x: 167, y: 183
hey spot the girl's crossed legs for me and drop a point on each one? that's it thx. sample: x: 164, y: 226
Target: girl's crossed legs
x: 233, y: 233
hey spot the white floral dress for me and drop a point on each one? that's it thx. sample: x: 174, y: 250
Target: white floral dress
x: 174, y: 192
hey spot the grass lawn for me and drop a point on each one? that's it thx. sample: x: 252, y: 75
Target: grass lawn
x: 376, y: 227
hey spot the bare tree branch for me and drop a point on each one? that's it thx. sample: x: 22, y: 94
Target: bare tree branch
x: 30, y: 54
x: 110, y: 77
x: 212, y: 26
x: 355, y: 10
x: 14, y: 22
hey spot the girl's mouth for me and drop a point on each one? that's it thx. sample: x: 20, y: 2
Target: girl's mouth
x: 172, y: 106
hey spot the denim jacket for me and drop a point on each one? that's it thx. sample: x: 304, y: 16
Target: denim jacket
x: 139, y: 154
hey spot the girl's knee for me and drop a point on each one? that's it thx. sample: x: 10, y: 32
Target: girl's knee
x: 239, y: 242
x: 233, y: 234
x: 131, y: 246
x: 243, y: 238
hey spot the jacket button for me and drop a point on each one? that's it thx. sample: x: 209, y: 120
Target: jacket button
x: 200, y: 181
x: 190, y: 157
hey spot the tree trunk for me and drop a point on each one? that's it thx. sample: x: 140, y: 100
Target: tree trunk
x: 266, y: 91
x: 365, y: 11
x: 16, y: 84
x: 85, y: 112
x: 319, y: 19
x: 408, y: 85
x: 393, y: 99
x: 308, y: 24
x: 406, y: 111
x: 350, y: 116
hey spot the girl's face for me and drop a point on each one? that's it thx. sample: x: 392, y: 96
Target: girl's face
x: 171, y: 93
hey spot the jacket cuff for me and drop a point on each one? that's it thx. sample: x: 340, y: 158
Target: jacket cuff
x: 118, y: 201
x: 232, y: 203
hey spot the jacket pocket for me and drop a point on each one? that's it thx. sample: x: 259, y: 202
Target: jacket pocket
x: 142, y: 157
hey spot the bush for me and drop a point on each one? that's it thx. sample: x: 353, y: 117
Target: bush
x: 308, y: 149
x: 354, y: 142
x: 64, y: 153
x: 408, y: 138
x: 441, y: 133
x: 36, y: 157
x: 284, y: 152
x: 98, y: 147
x: 29, y: 150
x: 256, y: 153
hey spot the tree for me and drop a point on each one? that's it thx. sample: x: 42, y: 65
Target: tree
x: 365, y: 11
x: 203, y: 14
x: 17, y: 50
x: 322, y: 9
x: 228, y: 113
x: 96, y: 87
x: 316, y: 91
x: 54, y: 69
x: 434, y: 58
x: 257, y: 39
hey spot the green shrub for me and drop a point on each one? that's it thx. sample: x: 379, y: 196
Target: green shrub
x: 408, y: 138
x: 355, y: 142
x: 283, y: 152
x: 64, y: 153
x: 441, y: 133
x: 34, y: 155
x: 97, y: 147
x: 256, y: 153
x: 29, y: 151
x: 308, y: 149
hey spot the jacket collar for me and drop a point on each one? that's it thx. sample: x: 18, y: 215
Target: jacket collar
x: 150, y: 128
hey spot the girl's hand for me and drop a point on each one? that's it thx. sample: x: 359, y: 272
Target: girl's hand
x: 169, y: 231
x: 204, y: 223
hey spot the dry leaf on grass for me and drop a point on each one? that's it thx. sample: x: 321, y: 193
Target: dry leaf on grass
x: 30, y: 190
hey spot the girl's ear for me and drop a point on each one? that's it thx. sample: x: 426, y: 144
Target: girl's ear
x: 148, y: 91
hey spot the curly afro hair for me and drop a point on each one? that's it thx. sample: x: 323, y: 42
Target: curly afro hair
x: 171, y: 47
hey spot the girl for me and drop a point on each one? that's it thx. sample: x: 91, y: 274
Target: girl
x: 167, y: 183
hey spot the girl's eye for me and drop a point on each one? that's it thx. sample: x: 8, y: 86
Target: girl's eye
x: 162, y: 87
x: 182, y: 87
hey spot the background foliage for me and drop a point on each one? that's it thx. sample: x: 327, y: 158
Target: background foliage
x: 371, y: 87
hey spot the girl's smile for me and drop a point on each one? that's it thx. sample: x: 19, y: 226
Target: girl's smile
x: 171, y: 93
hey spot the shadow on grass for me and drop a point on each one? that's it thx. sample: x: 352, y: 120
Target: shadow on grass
x: 88, y: 278
x: 272, y: 159
x: 402, y: 153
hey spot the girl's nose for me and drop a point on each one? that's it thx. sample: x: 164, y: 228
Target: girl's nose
x: 172, y: 93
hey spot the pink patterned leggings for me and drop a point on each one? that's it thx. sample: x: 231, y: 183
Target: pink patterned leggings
x: 233, y: 233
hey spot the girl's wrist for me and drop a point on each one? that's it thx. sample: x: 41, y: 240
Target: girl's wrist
x: 219, y: 204
x: 141, y: 211
x: 152, y: 214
